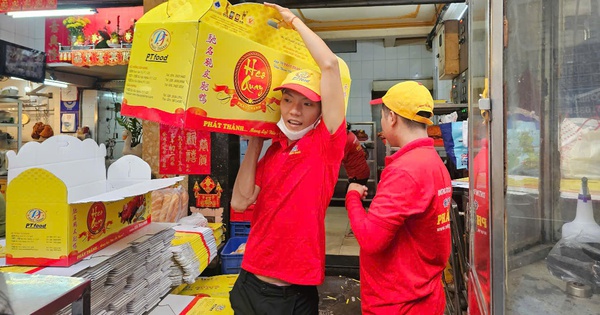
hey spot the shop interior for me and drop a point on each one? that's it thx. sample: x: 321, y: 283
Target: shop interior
x: 534, y: 62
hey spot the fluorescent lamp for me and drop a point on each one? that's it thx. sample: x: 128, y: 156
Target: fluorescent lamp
x: 40, y: 13
x: 455, y: 11
x: 59, y: 84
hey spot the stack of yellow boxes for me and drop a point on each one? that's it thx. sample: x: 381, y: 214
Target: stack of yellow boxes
x: 218, y: 232
x: 193, y: 249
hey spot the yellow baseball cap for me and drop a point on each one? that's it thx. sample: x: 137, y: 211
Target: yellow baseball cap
x: 407, y: 99
x: 306, y: 82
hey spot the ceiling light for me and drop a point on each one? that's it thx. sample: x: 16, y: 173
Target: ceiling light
x: 455, y: 11
x: 59, y: 84
x: 40, y: 13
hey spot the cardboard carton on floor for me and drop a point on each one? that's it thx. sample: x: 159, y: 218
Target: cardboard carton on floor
x: 216, y: 286
x: 184, y: 304
x: 211, y: 65
x: 63, y: 206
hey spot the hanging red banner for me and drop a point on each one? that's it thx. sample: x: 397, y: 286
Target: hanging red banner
x: 184, y: 151
x: 55, y: 33
x: 26, y: 5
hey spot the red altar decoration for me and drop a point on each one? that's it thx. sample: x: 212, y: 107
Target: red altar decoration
x: 105, y: 20
x: 184, y: 151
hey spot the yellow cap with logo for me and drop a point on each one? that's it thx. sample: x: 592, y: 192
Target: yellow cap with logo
x: 407, y: 99
x: 306, y: 82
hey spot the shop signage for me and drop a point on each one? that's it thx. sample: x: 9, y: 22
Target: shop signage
x: 26, y: 5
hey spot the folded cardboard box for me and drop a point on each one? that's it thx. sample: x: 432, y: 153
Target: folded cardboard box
x: 63, y: 206
x: 211, y: 65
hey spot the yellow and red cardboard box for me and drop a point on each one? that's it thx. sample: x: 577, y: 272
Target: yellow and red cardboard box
x: 193, y: 305
x: 63, y: 205
x: 215, y: 286
x: 211, y: 65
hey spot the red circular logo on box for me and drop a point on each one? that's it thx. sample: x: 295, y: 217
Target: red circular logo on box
x: 96, y: 217
x: 252, y: 77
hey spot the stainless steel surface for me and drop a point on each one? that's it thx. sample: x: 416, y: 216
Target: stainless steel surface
x: 550, y: 189
x: 580, y: 290
x: 19, y: 119
x: 497, y: 178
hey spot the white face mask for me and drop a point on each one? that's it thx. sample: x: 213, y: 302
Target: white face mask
x: 295, y: 135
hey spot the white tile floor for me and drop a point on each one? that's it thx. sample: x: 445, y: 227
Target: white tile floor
x: 339, y: 239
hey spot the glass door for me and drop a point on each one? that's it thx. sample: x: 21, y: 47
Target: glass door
x: 479, y: 152
x: 544, y: 158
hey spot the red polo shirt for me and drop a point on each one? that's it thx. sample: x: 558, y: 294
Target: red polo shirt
x: 405, y: 237
x: 287, y: 238
x: 355, y: 160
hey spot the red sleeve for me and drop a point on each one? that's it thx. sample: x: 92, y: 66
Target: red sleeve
x: 260, y: 166
x: 397, y: 198
x: 371, y: 236
x: 347, y: 147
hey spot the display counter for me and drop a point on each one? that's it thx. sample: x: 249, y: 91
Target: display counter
x: 535, y: 291
x: 50, y: 293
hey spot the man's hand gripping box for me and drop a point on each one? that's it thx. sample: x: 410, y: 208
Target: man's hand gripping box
x: 211, y: 65
x: 62, y: 206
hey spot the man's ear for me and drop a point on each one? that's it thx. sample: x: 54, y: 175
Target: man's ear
x: 393, y: 117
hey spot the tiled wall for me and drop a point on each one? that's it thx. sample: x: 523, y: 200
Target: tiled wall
x: 30, y: 33
x: 27, y: 32
x: 373, y: 61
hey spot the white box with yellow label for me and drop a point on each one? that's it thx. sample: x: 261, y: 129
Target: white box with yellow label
x: 210, y: 65
x: 63, y: 206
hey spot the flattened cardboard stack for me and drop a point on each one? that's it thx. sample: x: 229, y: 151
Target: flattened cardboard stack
x: 129, y: 277
x: 193, y: 249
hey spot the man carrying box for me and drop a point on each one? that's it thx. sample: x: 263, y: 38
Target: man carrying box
x: 292, y: 186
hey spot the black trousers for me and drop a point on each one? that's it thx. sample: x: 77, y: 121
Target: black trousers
x: 252, y: 296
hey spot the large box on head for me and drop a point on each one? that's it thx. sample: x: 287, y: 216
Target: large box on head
x: 212, y: 65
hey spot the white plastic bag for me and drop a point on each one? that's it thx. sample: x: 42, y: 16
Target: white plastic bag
x: 195, y: 219
x: 580, y: 148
